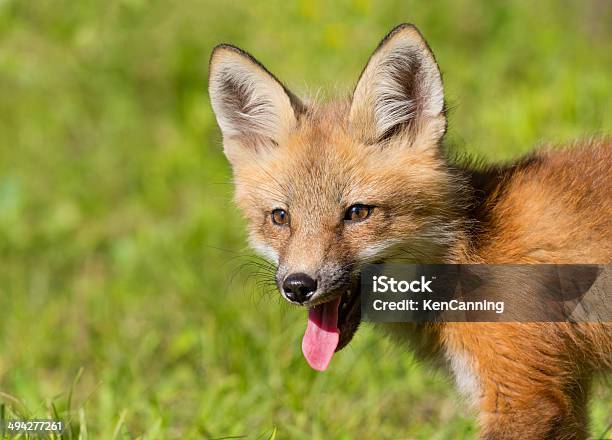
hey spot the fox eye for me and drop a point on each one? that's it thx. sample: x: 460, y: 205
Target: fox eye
x: 358, y: 212
x: 280, y: 217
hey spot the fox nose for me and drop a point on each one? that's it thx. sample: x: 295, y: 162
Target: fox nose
x: 299, y: 287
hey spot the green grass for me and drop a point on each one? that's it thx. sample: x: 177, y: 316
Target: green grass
x: 118, y: 238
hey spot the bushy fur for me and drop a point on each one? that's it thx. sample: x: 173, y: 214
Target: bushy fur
x: 382, y: 148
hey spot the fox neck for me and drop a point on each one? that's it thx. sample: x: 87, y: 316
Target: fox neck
x: 476, y: 193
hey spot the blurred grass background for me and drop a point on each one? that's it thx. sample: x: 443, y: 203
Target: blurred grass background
x: 118, y: 238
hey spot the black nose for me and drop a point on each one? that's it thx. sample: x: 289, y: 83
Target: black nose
x: 299, y: 287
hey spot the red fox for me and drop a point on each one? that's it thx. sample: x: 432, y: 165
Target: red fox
x: 327, y: 188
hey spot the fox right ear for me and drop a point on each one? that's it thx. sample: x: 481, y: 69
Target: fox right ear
x: 400, y: 91
x: 251, y: 106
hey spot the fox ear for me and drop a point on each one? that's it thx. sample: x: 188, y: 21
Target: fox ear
x: 250, y: 104
x: 400, y: 90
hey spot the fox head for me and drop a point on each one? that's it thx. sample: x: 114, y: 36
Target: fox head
x: 327, y: 188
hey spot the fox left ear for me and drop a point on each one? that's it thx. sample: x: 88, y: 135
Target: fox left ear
x: 400, y: 90
x: 251, y: 106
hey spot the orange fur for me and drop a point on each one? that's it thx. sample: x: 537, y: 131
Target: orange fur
x: 382, y: 148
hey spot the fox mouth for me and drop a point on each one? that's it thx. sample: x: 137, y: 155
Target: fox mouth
x: 349, y: 316
x: 331, y: 326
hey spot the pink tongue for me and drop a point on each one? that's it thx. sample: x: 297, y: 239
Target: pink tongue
x: 322, y: 334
